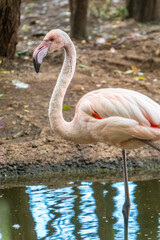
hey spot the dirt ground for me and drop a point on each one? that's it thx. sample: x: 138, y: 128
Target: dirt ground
x: 118, y: 54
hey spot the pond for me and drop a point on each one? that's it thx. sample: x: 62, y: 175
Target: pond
x: 79, y: 209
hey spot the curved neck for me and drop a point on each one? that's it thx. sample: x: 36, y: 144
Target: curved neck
x: 56, y: 119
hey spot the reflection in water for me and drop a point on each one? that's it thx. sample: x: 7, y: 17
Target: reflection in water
x: 119, y: 200
x: 53, y: 211
x: 159, y: 226
x: 80, y: 210
x: 87, y: 217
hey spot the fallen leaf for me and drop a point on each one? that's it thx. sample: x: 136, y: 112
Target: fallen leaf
x: 22, y: 52
x: 142, y: 78
x: 157, y: 52
x: 83, y: 66
x: 139, y: 78
x: 78, y: 86
x: 4, y: 72
x: 66, y: 107
x: 38, y: 21
x: 25, y: 27
x: 23, y: 123
x: 119, y: 21
x: 19, y: 43
x: 26, y: 110
x: 10, y: 109
x: 115, y: 26
x: 83, y: 41
x: 128, y: 71
x: 29, y: 11
x: 134, y: 69
x: 26, y: 117
x: 31, y: 4
x: 108, y: 43
x: 113, y: 37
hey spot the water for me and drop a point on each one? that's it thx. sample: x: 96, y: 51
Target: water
x: 89, y: 210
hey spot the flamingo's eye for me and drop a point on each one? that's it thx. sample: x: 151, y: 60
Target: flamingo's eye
x: 52, y: 39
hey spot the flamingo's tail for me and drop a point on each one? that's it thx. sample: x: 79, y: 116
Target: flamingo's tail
x: 152, y: 144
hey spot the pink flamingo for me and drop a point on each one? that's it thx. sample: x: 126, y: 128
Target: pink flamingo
x: 124, y: 118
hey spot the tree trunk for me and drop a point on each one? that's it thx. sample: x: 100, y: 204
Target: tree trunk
x: 9, y: 23
x: 144, y: 10
x: 78, y: 10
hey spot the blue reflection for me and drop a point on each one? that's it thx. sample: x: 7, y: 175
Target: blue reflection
x: 58, y: 212
x: 87, y: 217
x: 119, y: 200
x: 53, y: 208
x: 159, y: 226
x: 39, y: 209
x: 52, y: 211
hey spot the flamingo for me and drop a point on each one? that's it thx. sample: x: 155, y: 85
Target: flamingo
x: 123, y: 118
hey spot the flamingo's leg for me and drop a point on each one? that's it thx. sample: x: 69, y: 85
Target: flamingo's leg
x: 126, y: 205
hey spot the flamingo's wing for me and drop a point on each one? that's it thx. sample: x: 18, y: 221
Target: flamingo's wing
x: 123, y: 103
x: 123, y: 113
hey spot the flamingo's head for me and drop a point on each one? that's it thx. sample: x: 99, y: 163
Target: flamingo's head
x: 53, y: 40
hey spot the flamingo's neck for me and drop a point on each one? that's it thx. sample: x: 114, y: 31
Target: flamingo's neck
x: 56, y: 119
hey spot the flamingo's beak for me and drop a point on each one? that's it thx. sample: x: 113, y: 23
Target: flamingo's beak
x: 39, y: 53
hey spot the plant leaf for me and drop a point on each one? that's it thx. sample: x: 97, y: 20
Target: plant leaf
x: 139, y: 78
x: 66, y: 107
x: 83, y: 66
x: 25, y: 27
x: 134, y: 69
x: 128, y: 71
x: 29, y: 11
x: 25, y: 116
x: 4, y: 71
x: 22, y: 52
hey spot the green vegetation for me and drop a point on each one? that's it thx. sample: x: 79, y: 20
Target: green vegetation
x: 104, y: 10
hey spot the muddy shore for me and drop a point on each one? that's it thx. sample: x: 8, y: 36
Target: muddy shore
x: 52, y: 154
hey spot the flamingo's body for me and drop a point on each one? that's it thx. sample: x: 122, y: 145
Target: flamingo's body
x: 123, y: 118
x: 116, y: 116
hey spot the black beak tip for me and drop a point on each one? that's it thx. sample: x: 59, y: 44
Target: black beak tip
x: 36, y: 65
